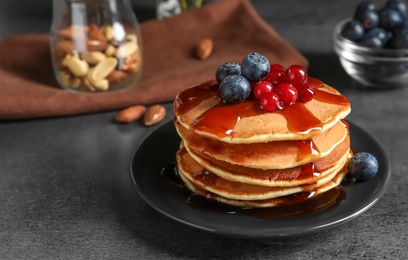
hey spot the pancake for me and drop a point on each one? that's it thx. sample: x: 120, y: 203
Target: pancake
x: 201, y: 110
x: 270, y: 155
x: 288, y: 177
x: 211, y: 182
x: 274, y: 202
x: 242, y: 155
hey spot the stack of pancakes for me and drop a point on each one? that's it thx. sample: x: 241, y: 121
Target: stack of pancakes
x: 241, y: 155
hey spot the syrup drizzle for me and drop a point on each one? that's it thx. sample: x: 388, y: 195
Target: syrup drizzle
x: 299, y: 205
x: 221, y: 119
x: 191, y: 97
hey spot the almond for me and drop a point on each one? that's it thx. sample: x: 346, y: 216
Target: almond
x: 130, y: 114
x: 154, y: 115
x: 116, y: 76
x: 95, y: 33
x: 204, y: 48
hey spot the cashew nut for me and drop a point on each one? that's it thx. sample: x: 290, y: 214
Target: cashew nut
x: 103, y: 68
x: 110, y: 50
x: 77, y: 66
x: 132, y: 37
x: 100, y: 84
x: 65, y: 80
x: 109, y: 33
x: 126, y: 49
x: 93, y: 57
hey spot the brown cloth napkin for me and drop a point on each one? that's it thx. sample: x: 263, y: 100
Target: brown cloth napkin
x: 28, y: 88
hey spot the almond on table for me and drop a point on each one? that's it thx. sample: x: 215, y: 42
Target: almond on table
x: 130, y: 114
x: 154, y: 115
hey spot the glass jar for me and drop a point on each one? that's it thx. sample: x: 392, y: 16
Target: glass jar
x: 95, y: 45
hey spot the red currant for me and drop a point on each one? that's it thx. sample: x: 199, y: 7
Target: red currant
x: 278, y: 67
x: 261, y: 88
x: 276, y: 74
x: 269, y: 101
x: 287, y: 93
x: 305, y: 92
x: 296, y: 75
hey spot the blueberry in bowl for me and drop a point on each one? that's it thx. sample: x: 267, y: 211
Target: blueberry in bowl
x: 372, y: 45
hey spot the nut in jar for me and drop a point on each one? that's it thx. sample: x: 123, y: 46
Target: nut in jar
x: 92, y: 57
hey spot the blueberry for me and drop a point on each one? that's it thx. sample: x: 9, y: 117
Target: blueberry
x: 401, y: 28
x: 255, y: 67
x: 399, y: 41
x: 397, y: 5
x: 369, y: 18
x: 371, y: 42
x: 379, y: 33
x: 227, y: 69
x: 390, y: 19
x: 235, y: 89
x: 352, y: 30
x: 363, y: 166
x: 364, y: 6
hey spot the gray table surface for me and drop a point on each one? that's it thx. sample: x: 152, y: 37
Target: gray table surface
x: 66, y: 193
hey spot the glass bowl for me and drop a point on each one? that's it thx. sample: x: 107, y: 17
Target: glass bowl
x: 370, y: 67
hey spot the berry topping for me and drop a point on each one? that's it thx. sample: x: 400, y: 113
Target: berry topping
x: 255, y: 67
x: 287, y: 93
x: 273, y: 85
x: 269, y: 101
x: 305, y: 92
x: 262, y: 87
x: 276, y: 74
x: 363, y: 166
x: 226, y: 69
x: 296, y: 75
x: 235, y: 88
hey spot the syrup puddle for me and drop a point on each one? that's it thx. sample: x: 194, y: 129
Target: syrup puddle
x: 310, y: 204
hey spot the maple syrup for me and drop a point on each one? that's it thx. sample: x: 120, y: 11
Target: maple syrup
x: 221, y: 118
x: 298, y: 205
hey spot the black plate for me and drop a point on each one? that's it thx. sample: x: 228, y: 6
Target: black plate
x: 158, y: 150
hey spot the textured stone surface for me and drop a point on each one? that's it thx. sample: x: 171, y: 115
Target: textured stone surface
x: 65, y: 190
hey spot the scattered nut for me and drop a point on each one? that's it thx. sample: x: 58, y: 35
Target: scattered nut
x: 204, y: 48
x: 154, y: 115
x: 130, y: 114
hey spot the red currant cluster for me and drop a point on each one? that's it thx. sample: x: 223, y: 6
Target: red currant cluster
x: 283, y: 87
